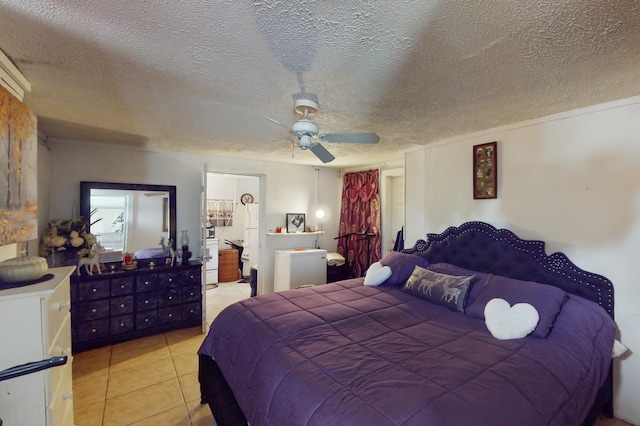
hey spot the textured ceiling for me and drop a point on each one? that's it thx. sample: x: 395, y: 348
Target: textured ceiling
x: 199, y: 76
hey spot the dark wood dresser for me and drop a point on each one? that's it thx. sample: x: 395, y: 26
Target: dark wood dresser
x: 113, y: 307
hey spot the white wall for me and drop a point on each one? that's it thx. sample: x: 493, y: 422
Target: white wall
x: 289, y: 188
x: 572, y: 180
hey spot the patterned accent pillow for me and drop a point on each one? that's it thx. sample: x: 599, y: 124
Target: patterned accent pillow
x: 401, y: 265
x: 449, y: 291
x: 477, y: 284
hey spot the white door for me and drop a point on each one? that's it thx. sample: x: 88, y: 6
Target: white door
x: 203, y: 247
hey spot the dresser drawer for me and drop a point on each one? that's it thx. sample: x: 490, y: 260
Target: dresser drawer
x: 190, y: 277
x: 93, y: 290
x: 90, y: 330
x: 168, y: 297
x: 146, y: 319
x: 145, y: 301
x: 169, y: 279
x: 191, y: 311
x: 91, y: 310
x: 120, y: 286
x: 60, y: 408
x: 170, y: 314
x: 57, y: 308
x: 190, y: 294
x: 61, y: 346
x: 121, y: 305
x: 146, y: 282
x: 121, y: 324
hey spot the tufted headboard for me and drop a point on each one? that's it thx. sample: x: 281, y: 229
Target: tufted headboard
x: 481, y: 247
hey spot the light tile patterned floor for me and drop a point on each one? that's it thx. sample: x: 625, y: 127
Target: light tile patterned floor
x: 148, y: 381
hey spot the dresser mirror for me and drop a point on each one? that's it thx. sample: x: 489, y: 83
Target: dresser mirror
x: 129, y: 217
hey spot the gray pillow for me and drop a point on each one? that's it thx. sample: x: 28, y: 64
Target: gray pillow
x: 449, y: 291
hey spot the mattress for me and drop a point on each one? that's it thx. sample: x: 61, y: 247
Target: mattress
x: 350, y: 354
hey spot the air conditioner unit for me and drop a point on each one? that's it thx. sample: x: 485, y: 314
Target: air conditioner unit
x: 11, y: 78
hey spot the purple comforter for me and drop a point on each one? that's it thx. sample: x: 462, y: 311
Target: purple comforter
x: 348, y: 354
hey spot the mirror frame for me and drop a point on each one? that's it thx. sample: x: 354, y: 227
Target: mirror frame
x: 85, y: 199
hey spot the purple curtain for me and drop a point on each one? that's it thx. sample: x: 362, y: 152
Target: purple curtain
x: 360, y: 217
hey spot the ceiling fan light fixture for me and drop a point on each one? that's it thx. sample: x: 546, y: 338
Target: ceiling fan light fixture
x: 305, y: 142
x: 304, y: 127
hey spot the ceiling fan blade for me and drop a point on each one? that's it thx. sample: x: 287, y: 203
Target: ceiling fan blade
x: 276, y: 121
x: 321, y: 152
x: 350, y: 137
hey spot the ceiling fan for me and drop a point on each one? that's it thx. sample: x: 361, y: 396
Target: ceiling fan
x: 306, y: 133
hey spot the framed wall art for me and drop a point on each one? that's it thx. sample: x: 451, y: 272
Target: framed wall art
x: 18, y: 171
x: 295, y: 222
x: 485, y: 170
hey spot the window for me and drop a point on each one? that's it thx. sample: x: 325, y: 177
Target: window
x: 111, y: 229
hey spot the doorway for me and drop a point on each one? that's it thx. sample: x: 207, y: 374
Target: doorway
x: 233, y: 219
x: 392, y: 201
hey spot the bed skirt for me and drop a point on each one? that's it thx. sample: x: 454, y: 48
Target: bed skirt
x: 216, y: 392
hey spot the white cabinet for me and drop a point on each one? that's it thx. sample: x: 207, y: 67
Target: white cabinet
x: 35, y: 324
x: 212, y: 263
x: 294, y: 268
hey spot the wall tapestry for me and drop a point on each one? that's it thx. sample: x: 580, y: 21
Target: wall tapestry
x: 18, y: 171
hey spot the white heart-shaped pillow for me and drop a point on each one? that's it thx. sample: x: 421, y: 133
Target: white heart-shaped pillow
x: 507, y: 322
x: 377, y: 274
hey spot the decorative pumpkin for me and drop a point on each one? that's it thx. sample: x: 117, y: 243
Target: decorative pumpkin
x: 23, y: 268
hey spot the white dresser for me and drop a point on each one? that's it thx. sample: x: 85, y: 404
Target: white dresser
x: 294, y: 268
x: 35, y: 324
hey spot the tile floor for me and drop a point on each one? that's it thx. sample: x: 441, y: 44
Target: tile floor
x: 148, y: 381
x: 153, y: 380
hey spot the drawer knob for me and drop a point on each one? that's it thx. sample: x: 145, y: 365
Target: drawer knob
x: 170, y: 297
x: 94, y: 289
x: 121, y: 285
x: 121, y: 324
x: 122, y: 305
x: 146, y: 320
x: 93, y: 330
x: 170, y: 315
x: 93, y: 310
x: 146, y: 283
x: 146, y: 302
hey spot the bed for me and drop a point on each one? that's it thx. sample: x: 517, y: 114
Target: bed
x: 350, y: 354
x: 150, y: 253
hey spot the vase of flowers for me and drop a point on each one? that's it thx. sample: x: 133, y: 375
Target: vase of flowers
x: 64, y: 241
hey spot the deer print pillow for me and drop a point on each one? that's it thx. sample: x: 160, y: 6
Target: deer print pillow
x: 449, y: 291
